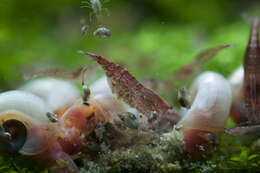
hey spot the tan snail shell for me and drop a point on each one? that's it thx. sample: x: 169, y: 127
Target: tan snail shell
x: 23, y: 115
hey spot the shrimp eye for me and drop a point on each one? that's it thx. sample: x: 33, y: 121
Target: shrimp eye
x: 86, y: 103
x: 18, y: 135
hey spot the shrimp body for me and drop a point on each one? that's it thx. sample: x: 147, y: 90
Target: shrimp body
x: 252, y: 74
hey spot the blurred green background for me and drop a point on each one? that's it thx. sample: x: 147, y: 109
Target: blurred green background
x: 150, y: 38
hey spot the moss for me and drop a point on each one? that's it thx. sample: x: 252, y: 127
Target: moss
x: 20, y: 164
x: 157, y: 153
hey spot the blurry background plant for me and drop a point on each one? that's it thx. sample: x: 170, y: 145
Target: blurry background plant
x: 163, y: 35
x: 150, y: 38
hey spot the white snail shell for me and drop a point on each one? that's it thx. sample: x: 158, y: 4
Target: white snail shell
x: 100, y: 86
x: 31, y: 111
x: 236, y: 81
x: 211, y: 95
x: 56, y: 93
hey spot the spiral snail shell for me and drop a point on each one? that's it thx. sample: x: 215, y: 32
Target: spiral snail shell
x: 211, y: 100
x: 22, y: 115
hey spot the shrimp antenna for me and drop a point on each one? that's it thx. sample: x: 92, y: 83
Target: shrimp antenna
x: 86, y: 90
